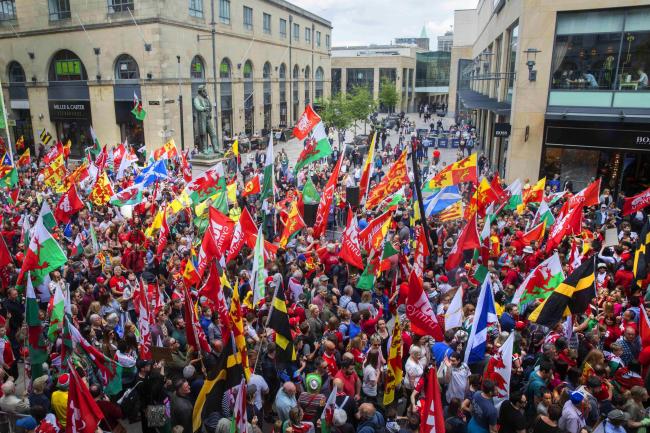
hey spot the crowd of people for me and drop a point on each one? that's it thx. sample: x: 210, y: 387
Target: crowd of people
x: 575, y: 376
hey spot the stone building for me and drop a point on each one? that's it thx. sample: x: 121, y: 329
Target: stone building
x: 69, y: 64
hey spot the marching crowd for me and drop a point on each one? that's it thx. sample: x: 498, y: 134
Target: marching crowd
x: 321, y: 348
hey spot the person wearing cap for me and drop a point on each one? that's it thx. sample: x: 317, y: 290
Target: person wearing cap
x: 181, y: 406
x: 572, y: 419
x: 616, y: 421
x: 60, y: 398
x: 37, y: 396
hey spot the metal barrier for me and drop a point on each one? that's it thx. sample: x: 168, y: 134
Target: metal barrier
x: 8, y: 422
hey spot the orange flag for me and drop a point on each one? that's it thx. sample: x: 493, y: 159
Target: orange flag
x: 396, y: 178
x: 102, y: 191
x: 293, y: 224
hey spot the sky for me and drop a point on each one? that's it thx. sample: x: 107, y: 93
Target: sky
x: 363, y: 22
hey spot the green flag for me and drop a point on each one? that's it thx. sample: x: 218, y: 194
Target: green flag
x: 318, y: 148
x: 268, y: 186
x: 309, y: 193
x: 47, y: 216
x: 35, y: 340
x: 258, y: 274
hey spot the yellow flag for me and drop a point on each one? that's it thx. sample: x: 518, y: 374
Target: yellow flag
x: 232, y: 192
x: 235, y: 148
x: 102, y: 191
x: 181, y: 202
x: 394, y: 370
x: 155, y: 224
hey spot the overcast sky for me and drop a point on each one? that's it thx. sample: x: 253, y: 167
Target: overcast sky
x: 362, y: 22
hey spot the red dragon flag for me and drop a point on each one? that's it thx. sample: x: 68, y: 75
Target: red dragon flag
x: 83, y: 414
x: 306, y: 123
x: 350, y: 249
x: 433, y: 419
x: 326, y: 199
x: 68, y: 205
x: 636, y: 203
x: 419, y: 311
x: 499, y: 368
x: 396, y: 178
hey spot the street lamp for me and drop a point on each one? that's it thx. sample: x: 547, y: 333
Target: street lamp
x: 531, y: 55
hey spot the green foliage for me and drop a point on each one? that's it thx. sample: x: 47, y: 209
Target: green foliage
x: 388, y: 95
x: 335, y: 112
x: 361, y: 103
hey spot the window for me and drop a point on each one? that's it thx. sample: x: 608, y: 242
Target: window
x: 307, y: 84
x: 283, y: 28
x: 512, y: 60
x: 266, y: 23
x: 327, y: 41
x: 360, y: 77
x: 225, y: 87
x: 296, y: 32
x: 295, y: 92
x: 126, y: 68
x: 120, y: 6
x: 7, y: 10
x: 59, y: 9
x: 16, y: 73
x: 317, y: 38
x: 197, y: 69
x: 224, y: 11
x: 249, y: 123
x: 66, y: 66
x: 266, y: 74
x: 318, y: 93
x: 248, y: 18
x: 308, y: 35
x: 336, y: 81
x: 196, y: 8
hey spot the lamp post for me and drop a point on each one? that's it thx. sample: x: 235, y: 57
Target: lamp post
x: 531, y: 56
x: 213, y: 25
x: 180, y: 103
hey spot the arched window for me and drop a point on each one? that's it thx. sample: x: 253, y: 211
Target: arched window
x: 67, y: 66
x: 126, y: 68
x: 318, y: 96
x: 197, y: 69
x: 296, y: 72
x: 266, y: 74
x: 249, y: 120
x: 282, y: 75
x: 16, y: 72
x: 295, y: 98
x: 225, y: 90
x: 307, y: 84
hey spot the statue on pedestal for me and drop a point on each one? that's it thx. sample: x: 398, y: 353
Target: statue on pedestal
x: 205, y: 127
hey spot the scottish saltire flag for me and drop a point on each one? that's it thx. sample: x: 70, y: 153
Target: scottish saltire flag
x: 484, y: 315
x: 152, y: 173
x: 436, y: 203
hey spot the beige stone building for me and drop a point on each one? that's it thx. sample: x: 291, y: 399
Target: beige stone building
x: 70, y: 64
x: 557, y: 87
x: 369, y: 65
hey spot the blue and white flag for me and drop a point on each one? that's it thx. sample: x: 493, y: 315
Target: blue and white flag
x: 152, y: 173
x: 484, y: 315
x: 436, y: 203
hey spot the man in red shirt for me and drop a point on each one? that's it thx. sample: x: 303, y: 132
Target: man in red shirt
x: 351, y: 382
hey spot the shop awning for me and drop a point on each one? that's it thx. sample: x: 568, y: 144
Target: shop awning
x: 475, y: 100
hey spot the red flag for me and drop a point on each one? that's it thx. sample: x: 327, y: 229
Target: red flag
x: 588, y: 196
x: 141, y: 303
x: 163, y: 236
x: 221, y: 227
x: 644, y: 328
x: 248, y: 227
x: 83, y: 415
x: 186, y: 167
x: 305, y: 123
x: 252, y: 186
x: 396, y: 177
x: 636, y: 203
x: 371, y: 237
x: 433, y: 420
x: 574, y: 257
x: 193, y: 331
x: 350, y: 249
x: 213, y: 291
x: 68, y: 205
x: 118, y: 154
x: 467, y: 240
x: 535, y: 234
x: 569, y: 222
x: 101, y: 160
x: 419, y: 311
x: 53, y: 152
x: 5, y: 255
x: 207, y: 252
x: 240, y: 408
x: 421, y: 251
x: 497, y: 188
x: 326, y: 200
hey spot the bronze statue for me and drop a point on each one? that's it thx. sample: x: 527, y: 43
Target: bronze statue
x: 205, y: 127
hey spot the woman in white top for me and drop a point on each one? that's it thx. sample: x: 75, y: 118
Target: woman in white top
x: 370, y: 376
x: 413, y: 369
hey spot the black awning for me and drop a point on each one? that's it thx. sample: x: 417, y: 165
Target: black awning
x: 123, y: 92
x: 475, y: 100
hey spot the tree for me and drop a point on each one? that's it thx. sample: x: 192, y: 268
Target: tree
x: 361, y: 104
x: 388, y: 95
x: 335, y: 113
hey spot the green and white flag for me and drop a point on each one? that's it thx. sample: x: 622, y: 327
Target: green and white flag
x: 128, y: 196
x: 47, y: 217
x: 78, y: 246
x: 489, y: 219
x: 258, y: 273
x: 35, y: 339
x: 58, y: 311
x: 93, y: 239
x: 540, y: 282
x: 318, y: 147
x: 269, y: 175
x: 515, y: 192
x: 96, y: 148
x: 43, y: 255
x: 543, y: 214
x: 309, y: 193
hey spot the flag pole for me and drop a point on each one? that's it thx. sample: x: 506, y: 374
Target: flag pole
x: 6, y: 125
x: 418, y: 191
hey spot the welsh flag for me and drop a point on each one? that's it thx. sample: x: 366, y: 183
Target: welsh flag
x: 96, y: 147
x: 128, y: 196
x: 78, y: 246
x: 544, y: 214
x: 138, y: 111
x: 327, y: 418
x: 43, y: 255
x: 57, y: 313
x: 318, y: 147
x: 515, y: 193
x: 110, y: 371
x: 35, y: 339
x: 499, y: 369
x: 540, y: 282
x: 269, y: 181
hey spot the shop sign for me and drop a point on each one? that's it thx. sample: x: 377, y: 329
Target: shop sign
x: 598, y: 137
x: 67, y: 110
x: 643, y: 139
x: 443, y: 142
x: 502, y: 129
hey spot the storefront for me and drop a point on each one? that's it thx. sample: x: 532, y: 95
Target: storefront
x: 619, y: 153
x: 19, y: 116
x: 127, y: 85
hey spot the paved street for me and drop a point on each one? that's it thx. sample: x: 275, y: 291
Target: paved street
x: 293, y: 147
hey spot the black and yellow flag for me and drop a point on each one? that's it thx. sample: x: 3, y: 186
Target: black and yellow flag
x: 572, y: 296
x: 279, y: 321
x: 640, y: 267
x: 228, y: 373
